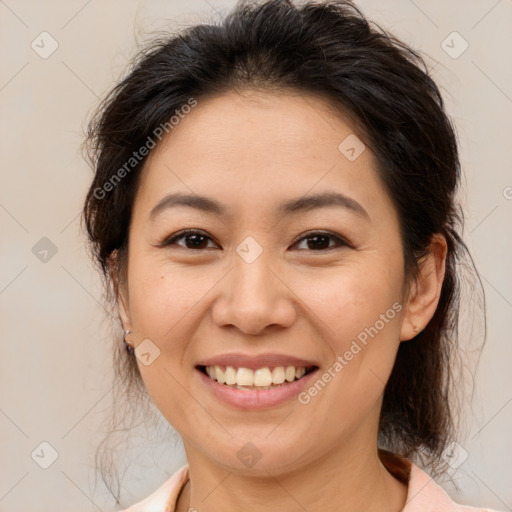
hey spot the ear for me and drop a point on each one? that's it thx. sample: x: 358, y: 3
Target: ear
x: 120, y: 290
x: 425, y: 293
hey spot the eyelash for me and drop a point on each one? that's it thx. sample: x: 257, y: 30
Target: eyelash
x: 308, y: 235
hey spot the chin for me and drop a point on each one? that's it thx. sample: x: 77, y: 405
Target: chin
x: 261, y: 457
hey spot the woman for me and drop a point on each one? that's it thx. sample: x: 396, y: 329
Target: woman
x: 274, y: 211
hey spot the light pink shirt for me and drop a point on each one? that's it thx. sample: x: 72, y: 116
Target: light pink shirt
x: 423, y: 495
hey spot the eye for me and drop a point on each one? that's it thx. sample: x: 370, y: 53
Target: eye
x: 193, y: 239
x: 319, y: 239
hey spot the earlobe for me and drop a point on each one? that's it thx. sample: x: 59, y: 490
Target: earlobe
x: 426, y: 291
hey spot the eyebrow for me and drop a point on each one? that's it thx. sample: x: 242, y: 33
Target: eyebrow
x: 287, y: 208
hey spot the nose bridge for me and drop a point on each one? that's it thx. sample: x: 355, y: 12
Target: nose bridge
x: 255, y: 297
x: 251, y: 273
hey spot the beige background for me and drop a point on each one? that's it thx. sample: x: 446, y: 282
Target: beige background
x: 55, y: 377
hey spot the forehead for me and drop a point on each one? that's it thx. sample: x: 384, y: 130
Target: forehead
x: 248, y: 149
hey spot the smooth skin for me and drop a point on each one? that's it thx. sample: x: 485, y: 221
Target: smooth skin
x: 251, y: 151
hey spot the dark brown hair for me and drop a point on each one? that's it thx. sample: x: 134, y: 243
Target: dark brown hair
x: 330, y: 50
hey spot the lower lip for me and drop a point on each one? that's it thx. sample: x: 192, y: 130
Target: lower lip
x: 256, y: 399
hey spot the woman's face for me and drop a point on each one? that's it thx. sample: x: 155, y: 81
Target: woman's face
x: 272, y: 275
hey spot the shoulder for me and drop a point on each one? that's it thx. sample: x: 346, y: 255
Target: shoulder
x: 164, y: 498
x: 424, y: 494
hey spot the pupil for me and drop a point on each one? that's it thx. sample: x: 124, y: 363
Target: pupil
x: 316, y: 244
x: 197, y: 240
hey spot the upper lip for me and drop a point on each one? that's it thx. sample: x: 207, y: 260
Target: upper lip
x: 254, y: 362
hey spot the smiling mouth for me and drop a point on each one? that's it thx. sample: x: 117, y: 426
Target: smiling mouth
x: 258, y: 379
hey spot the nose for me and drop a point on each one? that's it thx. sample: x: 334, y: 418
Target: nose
x: 254, y: 296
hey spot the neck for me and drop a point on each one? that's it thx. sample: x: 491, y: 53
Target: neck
x: 349, y: 479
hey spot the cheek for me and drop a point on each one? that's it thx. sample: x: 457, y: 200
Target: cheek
x: 346, y: 301
x: 161, y: 299
x: 162, y: 308
x: 359, y: 312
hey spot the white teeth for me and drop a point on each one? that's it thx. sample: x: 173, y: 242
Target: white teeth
x: 278, y: 376
x: 290, y: 373
x: 262, y: 377
x: 219, y: 375
x: 230, y: 375
x: 245, y: 377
